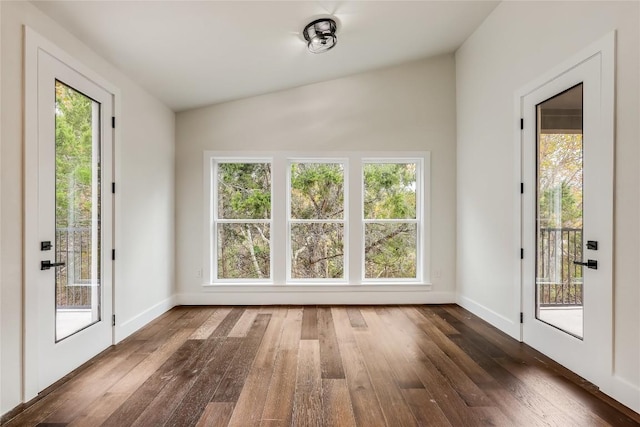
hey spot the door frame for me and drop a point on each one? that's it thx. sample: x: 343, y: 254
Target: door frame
x: 33, y: 43
x: 605, y: 47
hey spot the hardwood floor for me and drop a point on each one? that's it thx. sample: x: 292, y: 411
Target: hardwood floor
x: 322, y: 366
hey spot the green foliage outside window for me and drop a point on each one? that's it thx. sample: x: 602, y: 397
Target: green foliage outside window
x: 244, y: 192
x: 74, y: 144
x: 317, y: 209
x: 390, y: 193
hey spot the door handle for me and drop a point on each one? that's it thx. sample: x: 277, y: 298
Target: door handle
x: 46, y: 265
x: 591, y: 263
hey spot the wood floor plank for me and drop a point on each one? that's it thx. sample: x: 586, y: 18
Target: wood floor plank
x: 216, y: 414
x: 231, y: 385
x: 490, y: 416
x: 404, y: 375
x: 336, y: 403
x: 227, y: 323
x: 307, y: 402
x: 137, y: 402
x: 210, y: 325
x: 516, y: 412
x: 273, y: 423
x: 310, y: 324
x: 436, y: 384
x: 168, y: 399
x: 104, y: 369
x: 544, y: 407
x: 160, y: 324
x: 466, y: 388
x: 442, y: 324
x: 100, y: 410
x: 80, y: 407
x: 478, y: 332
x: 479, y: 341
x: 194, y: 402
x: 366, y: 407
x: 278, y: 406
x: 611, y: 411
x: 431, y: 328
x: 355, y: 318
x: 550, y: 386
x: 82, y: 397
x: 424, y: 408
x: 330, y: 366
x: 254, y: 391
x: 395, y: 409
x: 330, y: 359
x: 127, y: 385
x: 50, y: 403
x: 243, y: 324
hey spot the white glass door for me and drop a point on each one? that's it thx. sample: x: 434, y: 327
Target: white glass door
x: 74, y: 219
x: 567, y: 221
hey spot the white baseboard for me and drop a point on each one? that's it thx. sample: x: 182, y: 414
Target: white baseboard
x: 505, y: 324
x: 126, y: 328
x: 624, y: 392
x: 312, y: 297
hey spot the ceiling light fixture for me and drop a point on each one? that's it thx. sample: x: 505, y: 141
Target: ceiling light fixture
x: 320, y: 35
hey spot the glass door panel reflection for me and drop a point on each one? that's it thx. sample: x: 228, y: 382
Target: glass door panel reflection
x: 559, y: 285
x: 77, y: 211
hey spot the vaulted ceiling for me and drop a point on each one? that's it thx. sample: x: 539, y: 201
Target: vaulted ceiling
x: 195, y: 53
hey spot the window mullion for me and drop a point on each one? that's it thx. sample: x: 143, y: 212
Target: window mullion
x: 356, y: 236
x: 279, y: 215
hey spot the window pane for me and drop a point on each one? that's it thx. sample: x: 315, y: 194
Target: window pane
x: 390, y: 190
x: 317, y: 251
x: 390, y: 250
x: 317, y: 191
x: 244, y: 251
x: 244, y: 190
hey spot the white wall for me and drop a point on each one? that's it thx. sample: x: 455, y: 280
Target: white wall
x: 518, y: 42
x: 145, y: 201
x: 409, y: 107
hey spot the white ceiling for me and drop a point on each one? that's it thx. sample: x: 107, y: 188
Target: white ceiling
x: 195, y: 53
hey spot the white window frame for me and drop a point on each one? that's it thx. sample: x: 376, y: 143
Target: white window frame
x: 418, y: 221
x: 354, y: 223
x: 344, y: 221
x: 215, y: 221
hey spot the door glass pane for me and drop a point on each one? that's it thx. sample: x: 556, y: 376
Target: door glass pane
x: 559, y: 285
x: 77, y: 210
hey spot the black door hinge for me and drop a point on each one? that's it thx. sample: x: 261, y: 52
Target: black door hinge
x: 521, y: 123
x: 113, y: 122
x: 521, y: 253
x: 113, y: 254
x: 113, y: 320
x: 113, y: 187
x: 522, y: 188
x: 521, y: 317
